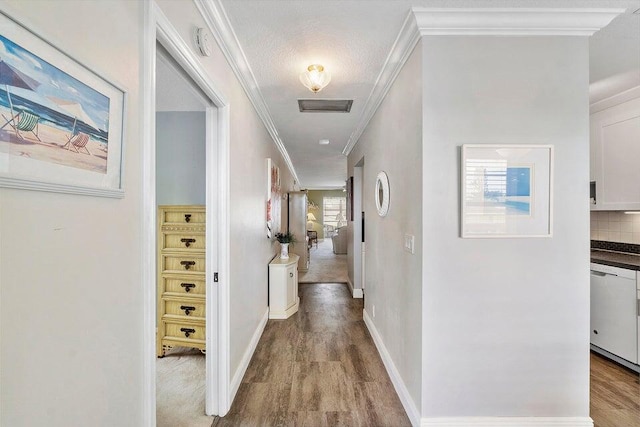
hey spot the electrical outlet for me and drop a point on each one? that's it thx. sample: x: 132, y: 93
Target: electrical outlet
x: 373, y: 310
x: 409, y: 243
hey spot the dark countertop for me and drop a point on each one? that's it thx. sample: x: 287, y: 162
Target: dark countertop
x: 616, y: 259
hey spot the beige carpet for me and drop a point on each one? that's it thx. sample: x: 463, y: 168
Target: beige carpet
x: 180, y: 389
x: 325, y: 266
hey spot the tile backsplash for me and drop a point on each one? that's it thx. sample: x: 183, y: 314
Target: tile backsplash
x: 615, y: 226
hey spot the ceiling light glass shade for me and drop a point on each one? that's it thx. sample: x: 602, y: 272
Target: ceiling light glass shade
x: 315, y: 78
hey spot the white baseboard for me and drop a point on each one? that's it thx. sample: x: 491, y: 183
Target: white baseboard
x: 507, y: 422
x: 357, y: 293
x: 409, y: 405
x: 246, y: 358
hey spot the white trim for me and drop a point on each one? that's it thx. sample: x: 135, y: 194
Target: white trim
x: 158, y: 28
x: 398, y: 55
x: 284, y: 314
x: 513, y: 21
x: 507, y: 422
x: 218, y: 22
x: 408, y: 403
x: 489, y: 21
x: 148, y: 220
x: 248, y: 354
x: 614, y: 100
x: 357, y: 293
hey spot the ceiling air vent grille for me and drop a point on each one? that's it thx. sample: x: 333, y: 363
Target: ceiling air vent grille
x: 325, y: 105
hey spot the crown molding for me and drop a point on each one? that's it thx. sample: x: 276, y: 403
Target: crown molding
x: 512, y: 21
x: 614, y: 100
x: 475, y: 22
x: 398, y: 55
x: 218, y: 22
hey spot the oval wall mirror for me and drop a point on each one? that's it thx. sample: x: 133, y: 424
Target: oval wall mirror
x: 382, y: 193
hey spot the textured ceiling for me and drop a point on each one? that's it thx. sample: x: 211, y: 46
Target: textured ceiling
x: 352, y: 39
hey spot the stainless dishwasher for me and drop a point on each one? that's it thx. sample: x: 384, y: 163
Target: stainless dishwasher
x: 614, y: 323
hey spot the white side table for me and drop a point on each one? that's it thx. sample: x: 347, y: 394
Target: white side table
x: 283, y: 287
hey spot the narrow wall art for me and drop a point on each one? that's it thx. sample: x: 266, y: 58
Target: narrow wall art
x: 273, y: 210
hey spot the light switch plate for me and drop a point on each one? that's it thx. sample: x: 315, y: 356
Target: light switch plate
x: 409, y: 243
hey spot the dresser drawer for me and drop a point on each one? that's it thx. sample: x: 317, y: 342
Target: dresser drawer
x: 185, y: 330
x: 189, y: 307
x: 183, y: 241
x: 183, y: 285
x: 182, y: 216
x: 177, y: 263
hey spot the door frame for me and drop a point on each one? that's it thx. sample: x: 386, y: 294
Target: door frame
x: 158, y: 28
x: 358, y: 207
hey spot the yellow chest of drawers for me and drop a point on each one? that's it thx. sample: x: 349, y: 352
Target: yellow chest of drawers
x: 181, y: 278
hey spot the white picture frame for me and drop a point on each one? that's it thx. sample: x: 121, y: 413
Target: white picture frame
x: 506, y: 191
x: 76, y: 146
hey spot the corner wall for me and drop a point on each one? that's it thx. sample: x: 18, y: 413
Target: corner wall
x: 505, y: 324
x: 392, y: 142
x: 70, y: 267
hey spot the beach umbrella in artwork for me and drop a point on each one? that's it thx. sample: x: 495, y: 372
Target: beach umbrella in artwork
x: 9, y: 76
x: 74, y: 109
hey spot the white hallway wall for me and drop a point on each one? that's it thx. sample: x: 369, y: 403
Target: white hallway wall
x: 392, y: 142
x: 71, y: 298
x: 506, y: 321
x: 502, y: 326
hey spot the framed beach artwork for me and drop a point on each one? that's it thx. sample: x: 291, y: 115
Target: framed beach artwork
x: 61, y: 124
x: 506, y: 191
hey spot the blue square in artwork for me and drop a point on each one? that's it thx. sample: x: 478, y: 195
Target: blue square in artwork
x: 518, y: 182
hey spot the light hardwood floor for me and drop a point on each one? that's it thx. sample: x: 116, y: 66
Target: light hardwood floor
x: 615, y: 394
x: 320, y: 367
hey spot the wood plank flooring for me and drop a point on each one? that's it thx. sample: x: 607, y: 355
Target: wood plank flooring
x: 320, y: 367
x: 615, y: 394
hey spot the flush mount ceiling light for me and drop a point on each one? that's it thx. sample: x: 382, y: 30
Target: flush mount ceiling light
x: 324, y: 142
x: 315, y: 78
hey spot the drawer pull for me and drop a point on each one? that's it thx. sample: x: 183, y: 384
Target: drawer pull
x: 187, y: 286
x: 187, y: 217
x: 187, y: 242
x: 187, y: 331
x: 187, y: 264
x: 187, y: 309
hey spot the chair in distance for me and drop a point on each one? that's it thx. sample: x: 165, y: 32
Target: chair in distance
x: 78, y: 141
x: 23, y: 121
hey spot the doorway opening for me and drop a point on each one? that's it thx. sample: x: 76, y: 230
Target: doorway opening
x: 215, y: 258
x: 181, y: 130
x: 358, y: 230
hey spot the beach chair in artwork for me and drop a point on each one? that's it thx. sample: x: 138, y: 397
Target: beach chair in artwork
x: 78, y: 142
x: 24, y: 121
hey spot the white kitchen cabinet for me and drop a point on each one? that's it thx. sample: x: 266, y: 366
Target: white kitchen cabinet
x: 614, y: 319
x: 615, y: 156
x: 283, y: 287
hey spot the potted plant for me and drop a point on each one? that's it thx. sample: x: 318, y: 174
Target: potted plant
x: 285, y: 239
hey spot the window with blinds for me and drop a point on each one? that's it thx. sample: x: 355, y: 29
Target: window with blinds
x: 335, y: 211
